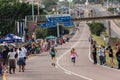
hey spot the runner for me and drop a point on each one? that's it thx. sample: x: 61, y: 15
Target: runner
x: 52, y: 53
x: 73, y: 55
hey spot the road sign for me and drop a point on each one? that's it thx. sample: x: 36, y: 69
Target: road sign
x: 59, y: 19
x: 68, y: 23
x: 48, y: 25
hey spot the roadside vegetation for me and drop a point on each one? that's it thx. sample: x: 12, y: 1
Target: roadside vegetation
x: 12, y: 11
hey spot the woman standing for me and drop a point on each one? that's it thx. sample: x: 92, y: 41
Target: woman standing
x: 110, y: 52
x: 73, y: 55
x: 11, y: 59
x: 52, y: 53
x: 21, y: 60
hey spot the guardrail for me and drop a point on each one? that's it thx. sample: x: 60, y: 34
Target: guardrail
x: 88, y: 18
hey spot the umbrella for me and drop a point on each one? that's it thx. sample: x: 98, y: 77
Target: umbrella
x: 51, y: 37
x: 9, y: 38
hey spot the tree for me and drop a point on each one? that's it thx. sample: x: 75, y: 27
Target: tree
x: 41, y: 32
x: 65, y: 3
x: 49, y: 4
x: 96, y: 28
x: 11, y: 11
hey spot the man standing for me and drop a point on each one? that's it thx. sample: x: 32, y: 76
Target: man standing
x: 5, y: 59
x: 118, y: 55
x: 94, y: 53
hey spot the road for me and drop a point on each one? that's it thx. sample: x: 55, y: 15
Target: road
x: 100, y: 11
x: 40, y: 68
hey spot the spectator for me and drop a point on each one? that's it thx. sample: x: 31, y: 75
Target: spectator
x: 101, y: 55
x: 21, y: 60
x: 104, y: 53
x: 110, y: 52
x: 94, y: 54
x: 5, y: 58
x: 11, y: 59
x: 118, y: 55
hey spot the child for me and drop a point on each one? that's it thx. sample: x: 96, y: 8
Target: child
x: 73, y: 55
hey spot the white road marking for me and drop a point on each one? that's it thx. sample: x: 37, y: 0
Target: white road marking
x: 56, y: 66
x: 89, y: 56
x: 65, y: 70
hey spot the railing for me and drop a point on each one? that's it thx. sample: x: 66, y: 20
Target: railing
x: 42, y: 18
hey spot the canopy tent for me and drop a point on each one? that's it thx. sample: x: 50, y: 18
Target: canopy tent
x: 10, y: 38
x: 50, y: 37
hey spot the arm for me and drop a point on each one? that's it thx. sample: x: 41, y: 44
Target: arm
x: 76, y: 54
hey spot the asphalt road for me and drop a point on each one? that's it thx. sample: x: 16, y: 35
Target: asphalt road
x: 40, y: 68
x: 100, y: 11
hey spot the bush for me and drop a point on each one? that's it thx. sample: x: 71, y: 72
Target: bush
x: 96, y: 28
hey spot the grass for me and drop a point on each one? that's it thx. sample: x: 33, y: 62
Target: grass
x: 99, y: 42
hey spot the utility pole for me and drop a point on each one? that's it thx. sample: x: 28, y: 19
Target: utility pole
x: 58, y: 31
x: 33, y: 9
x: 109, y: 32
x: 107, y: 3
x: 38, y: 1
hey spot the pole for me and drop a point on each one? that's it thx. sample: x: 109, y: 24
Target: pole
x: 107, y: 4
x: 25, y: 33
x: 33, y: 9
x: 38, y: 7
x: 109, y: 32
x: 69, y: 7
x: 58, y: 34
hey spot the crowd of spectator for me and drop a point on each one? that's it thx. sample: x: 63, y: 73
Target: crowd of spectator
x: 103, y: 53
x: 16, y: 55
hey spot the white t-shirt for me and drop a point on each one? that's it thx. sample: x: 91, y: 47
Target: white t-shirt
x: 24, y: 51
x: 11, y: 55
x: 20, y: 54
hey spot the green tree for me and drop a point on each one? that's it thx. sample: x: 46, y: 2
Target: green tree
x: 49, y: 4
x: 41, y: 32
x: 65, y: 3
x: 11, y: 11
x: 96, y: 28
